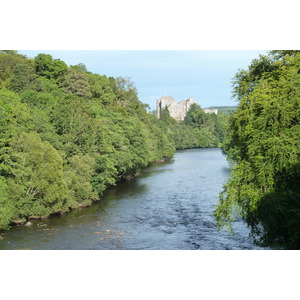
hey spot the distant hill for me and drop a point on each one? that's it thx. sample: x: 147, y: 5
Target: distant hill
x: 223, y: 108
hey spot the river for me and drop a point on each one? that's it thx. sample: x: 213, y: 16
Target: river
x: 169, y: 206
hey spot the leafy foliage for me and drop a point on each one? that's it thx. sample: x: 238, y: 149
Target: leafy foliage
x: 74, y: 82
x: 67, y: 134
x: 8, y: 61
x: 24, y: 78
x: 264, y: 147
x: 48, y: 67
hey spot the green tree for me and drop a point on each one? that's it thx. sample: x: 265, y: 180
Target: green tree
x: 80, y: 67
x: 45, y: 190
x: 126, y: 94
x: 263, y: 145
x: 78, y: 176
x: 14, y: 119
x: 7, y: 208
x: 23, y: 78
x: 48, y: 67
x: 6, y: 134
x: 74, y: 82
x: 195, y: 117
x: 165, y: 115
x: 277, y: 214
x: 101, y: 88
x: 279, y: 54
x: 8, y: 62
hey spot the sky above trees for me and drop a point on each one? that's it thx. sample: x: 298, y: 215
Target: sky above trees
x: 203, y: 75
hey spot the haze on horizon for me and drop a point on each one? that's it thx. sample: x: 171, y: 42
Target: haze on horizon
x: 202, y: 75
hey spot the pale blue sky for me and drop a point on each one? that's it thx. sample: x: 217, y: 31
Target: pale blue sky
x: 203, y: 75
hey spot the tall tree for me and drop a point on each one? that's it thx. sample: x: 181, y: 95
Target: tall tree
x: 263, y: 144
x: 44, y: 186
x: 8, y: 62
x: 74, y: 82
x: 24, y: 78
x: 101, y: 88
x: 195, y: 117
x: 48, y: 67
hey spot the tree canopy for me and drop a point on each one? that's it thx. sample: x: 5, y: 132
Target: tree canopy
x: 67, y: 134
x: 263, y: 145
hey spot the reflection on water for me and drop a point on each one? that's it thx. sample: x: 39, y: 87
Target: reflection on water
x: 169, y: 206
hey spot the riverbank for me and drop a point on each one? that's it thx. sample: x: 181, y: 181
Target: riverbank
x: 168, y: 206
x: 26, y: 221
x: 157, y: 162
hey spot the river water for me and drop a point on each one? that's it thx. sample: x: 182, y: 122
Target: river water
x: 169, y: 206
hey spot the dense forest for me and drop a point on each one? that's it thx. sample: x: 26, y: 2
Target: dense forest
x: 67, y: 134
x: 263, y: 146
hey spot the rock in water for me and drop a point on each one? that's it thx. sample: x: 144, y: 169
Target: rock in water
x: 28, y: 224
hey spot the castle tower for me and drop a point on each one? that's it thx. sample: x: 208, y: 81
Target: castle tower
x: 177, y: 111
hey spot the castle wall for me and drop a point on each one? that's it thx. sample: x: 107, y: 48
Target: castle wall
x: 177, y: 111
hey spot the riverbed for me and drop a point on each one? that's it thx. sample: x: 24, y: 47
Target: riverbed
x: 168, y: 207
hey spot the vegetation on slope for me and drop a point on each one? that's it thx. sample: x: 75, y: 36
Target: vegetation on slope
x: 67, y: 134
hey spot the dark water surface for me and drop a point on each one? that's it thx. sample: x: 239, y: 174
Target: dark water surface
x: 168, y: 207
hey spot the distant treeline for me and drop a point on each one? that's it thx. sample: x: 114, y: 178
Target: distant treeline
x: 67, y: 134
x: 224, y: 109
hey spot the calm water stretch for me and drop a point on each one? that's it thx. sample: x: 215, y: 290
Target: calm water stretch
x: 169, y: 206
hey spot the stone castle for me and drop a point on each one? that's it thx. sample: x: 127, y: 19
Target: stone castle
x: 177, y: 111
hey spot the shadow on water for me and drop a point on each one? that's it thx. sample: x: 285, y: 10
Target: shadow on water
x: 226, y: 170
